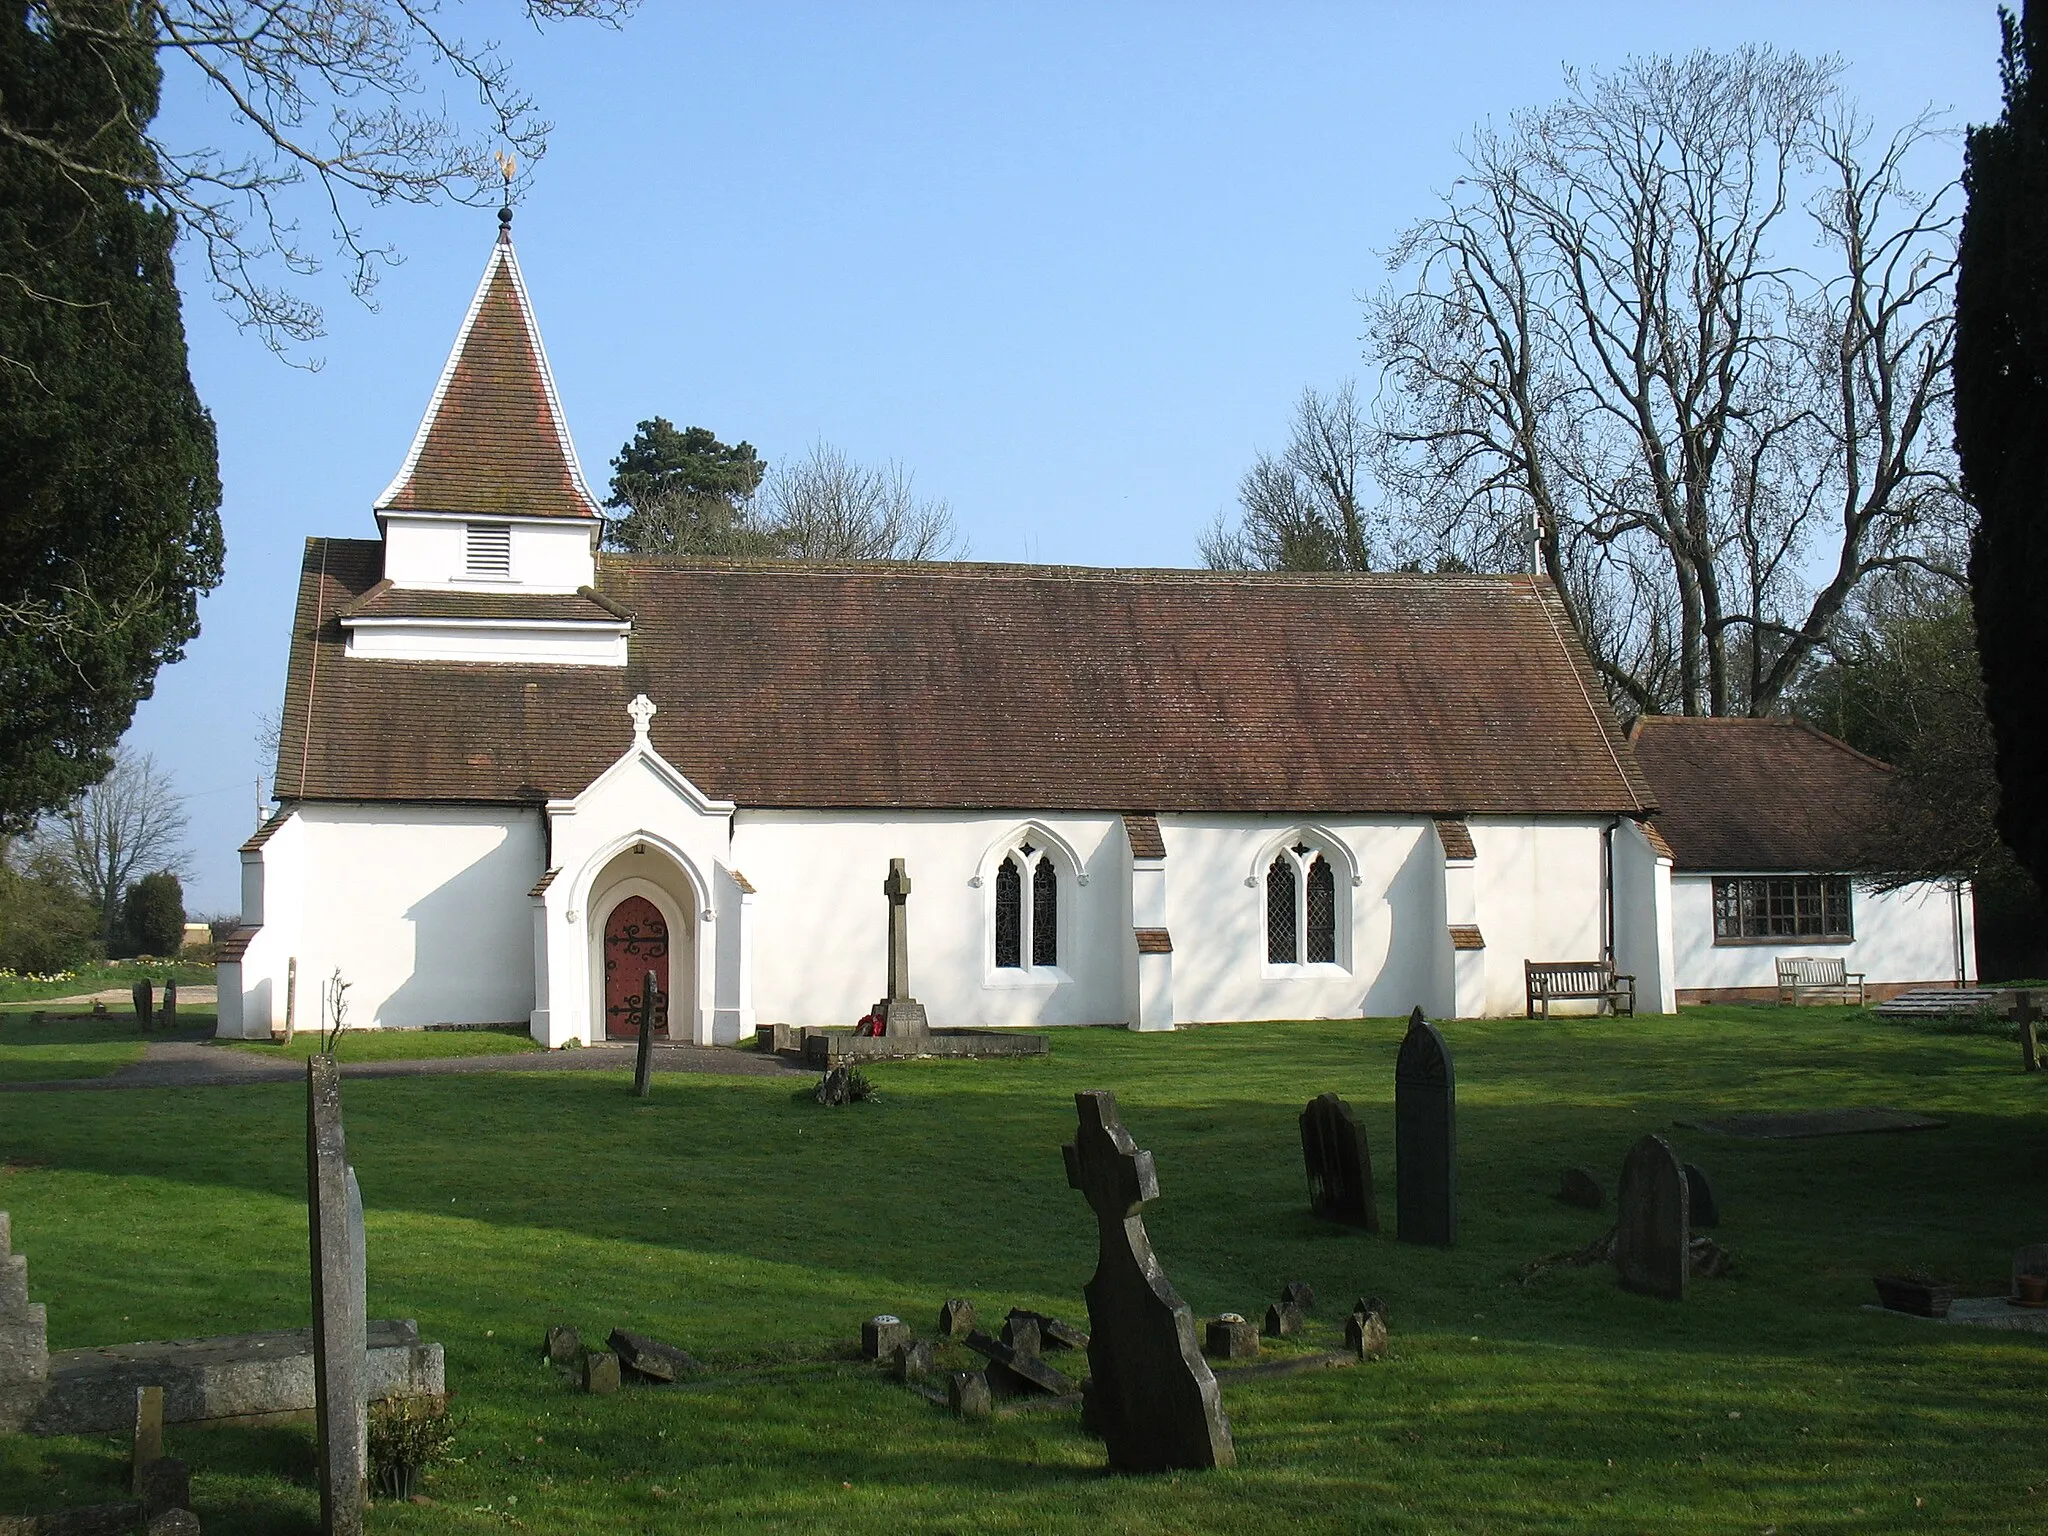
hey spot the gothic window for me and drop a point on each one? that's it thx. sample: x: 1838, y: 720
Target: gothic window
x: 1009, y: 915
x: 1301, y: 908
x: 1027, y: 910
x: 1045, y: 914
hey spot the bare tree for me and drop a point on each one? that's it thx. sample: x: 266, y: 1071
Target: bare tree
x: 1300, y: 509
x: 1608, y: 326
x: 825, y: 507
x: 129, y: 824
x: 348, y: 100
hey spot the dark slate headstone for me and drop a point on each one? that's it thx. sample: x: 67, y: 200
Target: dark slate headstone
x: 956, y: 1319
x: 1339, y: 1164
x: 1154, y: 1398
x: 143, y: 995
x: 1283, y: 1320
x: 1426, y: 1136
x: 340, y: 1329
x: 1575, y: 1186
x: 967, y: 1394
x: 1299, y: 1293
x: 1702, y: 1209
x: 1652, y: 1235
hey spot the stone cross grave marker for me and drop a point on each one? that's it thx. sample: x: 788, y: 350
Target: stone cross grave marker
x: 901, y: 1013
x: 1653, y: 1236
x: 1426, y: 1136
x: 1339, y: 1163
x: 334, y: 1209
x: 643, y: 1053
x: 1154, y: 1398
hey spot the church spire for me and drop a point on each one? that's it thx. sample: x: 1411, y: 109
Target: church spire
x: 494, y: 441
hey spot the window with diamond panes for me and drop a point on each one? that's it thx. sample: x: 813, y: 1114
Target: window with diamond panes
x: 1321, y: 948
x: 1009, y: 915
x: 1753, y: 907
x: 1281, y: 928
x: 1045, y: 913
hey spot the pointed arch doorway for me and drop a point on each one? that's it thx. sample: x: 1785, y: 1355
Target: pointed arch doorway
x: 636, y: 941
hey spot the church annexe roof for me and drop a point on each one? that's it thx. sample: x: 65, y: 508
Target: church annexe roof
x: 494, y: 441
x: 955, y: 686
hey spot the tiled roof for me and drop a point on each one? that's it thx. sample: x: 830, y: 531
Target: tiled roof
x: 264, y: 833
x: 384, y: 601
x: 1740, y: 795
x: 494, y: 440
x: 1142, y: 828
x: 236, y: 945
x: 970, y: 686
x: 1456, y: 838
x: 1466, y: 936
x: 1153, y: 941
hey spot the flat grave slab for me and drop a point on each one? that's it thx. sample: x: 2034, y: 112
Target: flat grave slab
x: 1793, y: 1124
x: 1979, y: 1312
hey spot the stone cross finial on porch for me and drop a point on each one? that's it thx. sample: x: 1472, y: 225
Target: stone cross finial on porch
x: 901, y: 1013
x: 643, y: 712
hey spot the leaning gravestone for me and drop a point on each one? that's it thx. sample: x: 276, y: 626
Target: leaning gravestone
x: 1701, y: 1208
x: 643, y: 1049
x: 334, y: 1207
x: 1652, y: 1235
x: 1154, y: 1398
x: 1426, y: 1136
x: 1339, y: 1163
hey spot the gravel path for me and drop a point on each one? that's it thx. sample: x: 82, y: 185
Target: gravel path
x: 198, y: 1062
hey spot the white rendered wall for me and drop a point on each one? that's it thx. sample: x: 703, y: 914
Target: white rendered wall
x: 273, y: 879
x: 551, y: 554
x: 1643, y: 940
x: 1391, y: 951
x: 1541, y: 896
x: 1902, y: 935
x: 821, y: 922
x: 423, y: 909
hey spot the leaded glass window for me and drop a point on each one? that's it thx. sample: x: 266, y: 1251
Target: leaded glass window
x: 1750, y: 907
x: 1009, y: 915
x: 1322, y: 913
x: 1281, y: 927
x: 1045, y: 914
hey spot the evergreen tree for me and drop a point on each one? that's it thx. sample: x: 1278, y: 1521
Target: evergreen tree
x: 153, y: 915
x: 686, y: 493
x: 2001, y: 395
x: 109, y: 488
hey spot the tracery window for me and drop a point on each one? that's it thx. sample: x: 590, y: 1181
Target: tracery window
x: 1301, y: 908
x: 1027, y: 915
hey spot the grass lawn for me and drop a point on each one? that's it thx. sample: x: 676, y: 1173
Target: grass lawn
x: 757, y: 1231
x: 98, y: 978
x: 398, y: 1044
x: 72, y: 1045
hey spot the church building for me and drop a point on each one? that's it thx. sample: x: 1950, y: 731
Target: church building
x: 516, y: 773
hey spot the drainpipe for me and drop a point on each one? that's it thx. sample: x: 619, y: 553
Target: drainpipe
x: 1607, y: 882
x: 1955, y: 891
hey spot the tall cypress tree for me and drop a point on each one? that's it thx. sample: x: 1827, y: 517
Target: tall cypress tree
x: 109, y: 480
x: 2001, y: 377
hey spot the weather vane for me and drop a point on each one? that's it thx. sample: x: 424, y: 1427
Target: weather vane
x: 508, y: 166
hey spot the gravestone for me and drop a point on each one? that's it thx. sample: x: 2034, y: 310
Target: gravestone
x: 601, y: 1372
x: 650, y: 1359
x: 1702, y: 1209
x: 1365, y: 1330
x: 563, y: 1347
x: 340, y: 1328
x: 1298, y: 1293
x: 24, y: 1324
x: 956, y: 1319
x: 1426, y: 1136
x: 911, y: 1362
x: 1339, y: 1163
x: 143, y: 995
x: 643, y: 1051
x: 1231, y: 1337
x: 148, y: 1443
x: 1154, y: 1398
x: 1283, y: 1320
x: 968, y: 1395
x: 2030, y: 1044
x: 900, y: 1013
x: 167, y: 1016
x: 881, y: 1336
x: 1652, y: 1236
x: 165, y: 1485
x: 1575, y: 1186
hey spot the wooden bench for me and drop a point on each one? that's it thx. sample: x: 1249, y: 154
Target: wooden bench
x: 1568, y: 981
x: 1814, y: 978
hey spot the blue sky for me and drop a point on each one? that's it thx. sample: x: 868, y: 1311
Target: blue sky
x: 1070, y: 264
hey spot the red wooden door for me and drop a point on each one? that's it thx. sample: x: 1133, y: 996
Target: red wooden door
x: 635, y: 942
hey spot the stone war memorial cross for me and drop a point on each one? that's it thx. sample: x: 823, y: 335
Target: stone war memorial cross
x: 1154, y: 1398
x: 341, y: 1369
x: 1426, y: 1137
x: 900, y: 1013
